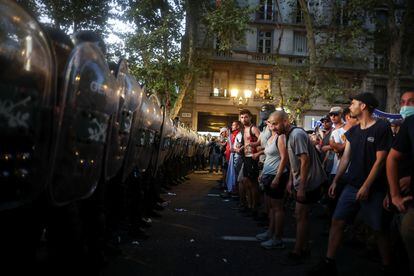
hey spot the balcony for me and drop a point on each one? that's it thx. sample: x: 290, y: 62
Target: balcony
x: 259, y: 58
x: 264, y: 17
x: 220, y: 93
x: 267, y: 96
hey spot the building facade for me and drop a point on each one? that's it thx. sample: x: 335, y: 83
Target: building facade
x: 276, y: 32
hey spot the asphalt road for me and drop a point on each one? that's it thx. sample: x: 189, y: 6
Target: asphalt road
x: 193, y: 241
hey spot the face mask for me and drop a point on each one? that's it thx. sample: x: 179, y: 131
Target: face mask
x: 407, y: 111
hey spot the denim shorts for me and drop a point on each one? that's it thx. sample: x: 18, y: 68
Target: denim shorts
x: 371, y: 209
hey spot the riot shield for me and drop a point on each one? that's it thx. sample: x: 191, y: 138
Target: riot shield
x: 156, y: 128
x: 145, y: 135
x: 129, y: 102
x: 136, y: 137
x: 166, y: 141
x: 89, y: 100
x: 27, y: 99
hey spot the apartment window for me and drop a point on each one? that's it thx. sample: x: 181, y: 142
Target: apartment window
x: 342, y: 15
x: 300, y: 45
x: 380, y: 62
x: 217, y: 43
x: 220, y: 84
x: 263, y: 86
x: 299, y: 14
x: 266, y: 10
x: 265, y: 42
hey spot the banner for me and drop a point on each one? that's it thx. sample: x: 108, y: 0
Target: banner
x: 389, y: 116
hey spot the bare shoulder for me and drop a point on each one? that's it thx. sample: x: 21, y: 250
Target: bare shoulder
x: 256, y: 130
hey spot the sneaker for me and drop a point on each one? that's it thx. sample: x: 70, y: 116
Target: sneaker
x: 324, y: 267
x: 273, y: 244
x: 263, y: 236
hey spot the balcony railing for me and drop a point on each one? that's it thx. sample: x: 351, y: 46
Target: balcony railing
x: 222, y: 93
x: 259, y: 58
x: 267, y: 96
x: 269, y: 17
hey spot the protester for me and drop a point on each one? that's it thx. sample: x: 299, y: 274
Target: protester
x: 224, y: 158
x: 402, y: 186
x: 250, y: 166
x: 326, y: 150
x: 215, y: 155
x: 274, y: 178
x: 307, y: 177
x: 337, y: 143
x: 233, y: 150
x: 365, y: 152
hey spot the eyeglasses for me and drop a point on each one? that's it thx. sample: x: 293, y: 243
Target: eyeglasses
x: 333, y: 114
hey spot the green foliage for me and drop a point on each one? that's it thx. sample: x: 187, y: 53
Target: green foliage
x: 229, y: 22
x: 340, y: 41
x: 154, y: 48
x: 78, y: 14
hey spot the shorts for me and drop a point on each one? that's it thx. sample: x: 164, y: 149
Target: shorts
x: 279, y: 191
x: 371, y: 209
x: 250, y: 168
x: 312, y: 196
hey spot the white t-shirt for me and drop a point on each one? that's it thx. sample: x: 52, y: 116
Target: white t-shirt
x: 338, y: 136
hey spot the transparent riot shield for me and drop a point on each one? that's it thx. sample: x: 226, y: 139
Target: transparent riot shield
x: 90, y: 98
x: 129, y: 102
x: 137, y: 135
x: 27, y: 101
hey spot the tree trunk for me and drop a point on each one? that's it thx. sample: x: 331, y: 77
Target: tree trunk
x: 311, y: 81
x: 394, y: 64
x: 310, y: 36
x: 192, y: 17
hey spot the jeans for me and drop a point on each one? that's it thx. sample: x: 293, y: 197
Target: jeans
x: 214, y: 161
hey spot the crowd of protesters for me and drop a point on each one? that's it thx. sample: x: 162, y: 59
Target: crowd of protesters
x: 353, y: 163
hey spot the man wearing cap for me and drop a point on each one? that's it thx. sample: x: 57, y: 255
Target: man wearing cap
x: 327, y: 154
x: 336, y: 138
x: 337, y: 143
x: 365, y: 152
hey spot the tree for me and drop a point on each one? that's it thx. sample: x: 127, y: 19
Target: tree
x: 399, y: 22
x: 339, y: 42
x: 77, y: 14
x: 189, y: 54
x: 226, y: 20
x: 154, y: 48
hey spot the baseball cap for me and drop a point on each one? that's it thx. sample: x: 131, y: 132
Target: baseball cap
x: 223, y: 129
x: 367, y: 98
x: 336, y: 110
x: 325, y: 118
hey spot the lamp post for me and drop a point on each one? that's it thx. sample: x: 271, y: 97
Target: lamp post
x: 240, y: 99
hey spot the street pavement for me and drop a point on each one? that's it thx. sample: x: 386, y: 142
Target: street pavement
x: 200, y: 234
